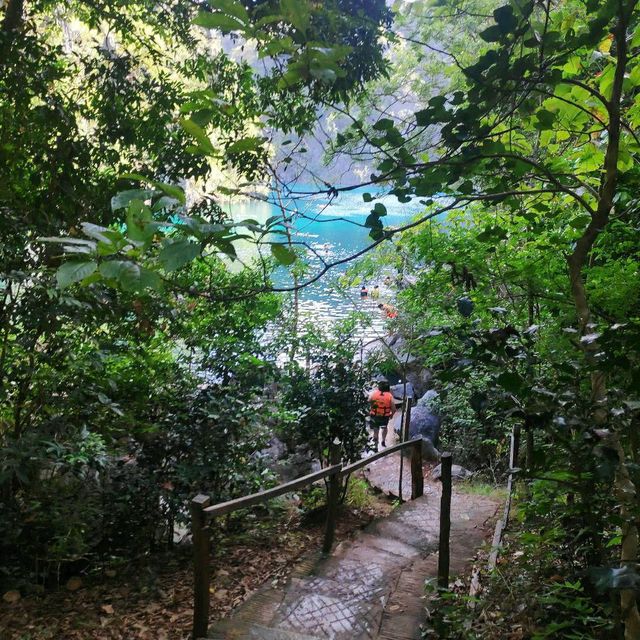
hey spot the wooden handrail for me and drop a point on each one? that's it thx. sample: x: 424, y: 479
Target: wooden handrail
x: 262, y: 496
x: 354, y: 466
x: 201, y: 512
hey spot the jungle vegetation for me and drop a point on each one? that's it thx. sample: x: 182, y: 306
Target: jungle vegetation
x: 135, y: 354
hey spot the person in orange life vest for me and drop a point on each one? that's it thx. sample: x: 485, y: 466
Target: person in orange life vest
x: 389, y: 311
x: 382, y: 409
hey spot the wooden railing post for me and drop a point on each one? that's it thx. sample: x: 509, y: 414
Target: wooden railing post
x: 200, y: 534
x: 404, y: 436
x: 445, y: 522
x: 335, y: 454
x: 515, y: 447
x: 417, y: 479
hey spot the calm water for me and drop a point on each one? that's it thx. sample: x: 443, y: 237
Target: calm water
x: 329, y: 229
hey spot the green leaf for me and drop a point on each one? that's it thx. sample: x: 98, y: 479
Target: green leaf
x: 173, y: 191
x: 383, y: 124
x: 178, y: 253
x: 505, y: 18
x: 196, y: 132
x: 231, y: 8
x: 122, y: 199
x: 328, y: 76
x: 71, y: 272
x: 367, y: 197
x: 373, y: 221
x: 424, y: 117
x: 492, y: 34
x: 380, y: 209
x: 297, y: 13
x: 509, y: 381
x: 138, y: 217
x: 546, y: 118
x: 218, y: 21
x: 282, y: 254
x: 124, y: 272
x: 150, y: 279
x: 245, y: 144
x: 294, y: 74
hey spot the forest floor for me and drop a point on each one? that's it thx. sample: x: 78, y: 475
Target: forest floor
x: 153, y: 599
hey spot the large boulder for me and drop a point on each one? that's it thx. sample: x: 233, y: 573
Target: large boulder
x: 457, y: 472
x: 398, y: 391
x: 421, y: 379
x: 428, y: 398
x: 287, y: 465
x: 275, y: 450
x: 424, y: 424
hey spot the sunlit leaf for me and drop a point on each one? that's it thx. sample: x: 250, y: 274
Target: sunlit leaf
x: 71, y: 272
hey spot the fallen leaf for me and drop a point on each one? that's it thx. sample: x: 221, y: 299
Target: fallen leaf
x: 107, y: 608
x: 74, y: 583
x: 11, y: 597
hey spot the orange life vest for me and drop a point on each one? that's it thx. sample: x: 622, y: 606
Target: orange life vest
x: 381, y: 403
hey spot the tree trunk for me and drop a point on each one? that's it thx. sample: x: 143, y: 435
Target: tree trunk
x: 13, y: 16
x: 624, y: 486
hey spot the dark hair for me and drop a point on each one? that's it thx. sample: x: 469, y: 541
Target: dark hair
x: 383, y: 385
x: 380, y: 306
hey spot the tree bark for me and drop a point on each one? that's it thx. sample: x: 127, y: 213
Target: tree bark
x: 14, y: 16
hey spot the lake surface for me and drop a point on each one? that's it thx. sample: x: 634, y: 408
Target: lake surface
x: 328, y: 228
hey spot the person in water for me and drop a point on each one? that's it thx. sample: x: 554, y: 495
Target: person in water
x: 382, y: 409
x: 375, y: 294
x: 389, y: 311
x: 363, y: 292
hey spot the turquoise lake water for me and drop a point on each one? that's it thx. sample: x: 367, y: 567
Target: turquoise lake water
x: 328, y: 228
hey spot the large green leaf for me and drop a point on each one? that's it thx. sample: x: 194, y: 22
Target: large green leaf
x: 197, y: 132
x: 71, y: 272
x: 138, y: 218
x: 173, y: 191
x: 297, y: 13
x: 379, y: 209
x: 282, y: 254
x: 124, y: 272
x: 178, y: 253
x: 121, y: 200
x: 245, y: 144
x: 510, y: 381
x: 129, y: 276
x: 231, y: 8
x: 219, y: 21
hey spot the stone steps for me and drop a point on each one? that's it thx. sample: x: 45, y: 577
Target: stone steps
x: 369, y: 588
x: 259, y: 632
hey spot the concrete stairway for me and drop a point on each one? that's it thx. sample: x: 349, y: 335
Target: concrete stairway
x: 370, y: 587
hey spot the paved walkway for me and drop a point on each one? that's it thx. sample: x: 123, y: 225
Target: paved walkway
x: 370, y: 587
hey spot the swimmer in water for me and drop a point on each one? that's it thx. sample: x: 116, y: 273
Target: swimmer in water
x: 363, y: 292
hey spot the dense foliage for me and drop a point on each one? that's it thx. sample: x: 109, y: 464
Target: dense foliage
x: 137, y: 364
x: 121, y: 126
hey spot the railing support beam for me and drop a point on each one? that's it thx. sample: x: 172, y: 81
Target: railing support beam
x: 417, y: 479
x: 445, y: 522
x: 335, y: 455
x: 200, y: 533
